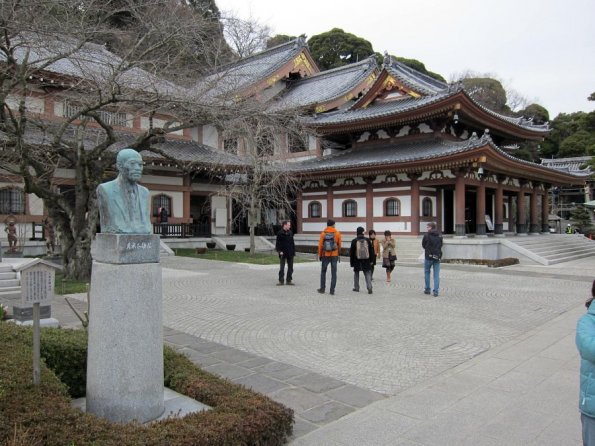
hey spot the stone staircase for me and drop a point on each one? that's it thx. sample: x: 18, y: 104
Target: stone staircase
x: 242, y: 242
x: 409, y: 249
x: 10, y: 284
x: 553, y: 248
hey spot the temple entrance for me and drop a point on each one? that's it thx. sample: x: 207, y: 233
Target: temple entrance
x: 448, y: 204
x: 470, y: 208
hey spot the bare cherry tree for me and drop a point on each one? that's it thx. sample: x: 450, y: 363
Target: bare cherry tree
x: 266, y: 182
x: 103, y: 66
x: 245, y: 37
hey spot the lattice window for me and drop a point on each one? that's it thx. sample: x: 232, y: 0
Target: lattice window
x: 392, y: 207
x: 314, y: 210
x: 349, y: 208
x: 230, y: 145
x: 296, y: 143
x: 12, y: 201
x: 161, y: 201
x: 427, y: 207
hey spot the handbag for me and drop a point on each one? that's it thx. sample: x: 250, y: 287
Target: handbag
x: 392, y: 258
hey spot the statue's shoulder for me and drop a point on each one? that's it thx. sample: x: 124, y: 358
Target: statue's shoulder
x: 142, y: 190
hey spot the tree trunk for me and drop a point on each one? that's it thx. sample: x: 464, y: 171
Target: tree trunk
x: 252, y: 221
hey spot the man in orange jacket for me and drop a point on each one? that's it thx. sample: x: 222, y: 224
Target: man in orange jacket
x: 329, y: 248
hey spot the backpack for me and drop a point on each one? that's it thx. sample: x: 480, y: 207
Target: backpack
x: 329, y: 241
x: 362, y: 251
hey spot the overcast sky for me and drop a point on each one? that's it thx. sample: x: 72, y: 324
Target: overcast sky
x: 544, y: 49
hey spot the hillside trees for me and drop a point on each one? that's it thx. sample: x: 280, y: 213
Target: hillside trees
x: 336, y: 48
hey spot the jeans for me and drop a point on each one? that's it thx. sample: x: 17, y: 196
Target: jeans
x: 588, y: 429
x: 367, y: 277
x: 325, y: 261
x: 282, y: 260
x: 429, y: 263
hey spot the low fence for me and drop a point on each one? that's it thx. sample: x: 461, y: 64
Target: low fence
x: 182, y: 230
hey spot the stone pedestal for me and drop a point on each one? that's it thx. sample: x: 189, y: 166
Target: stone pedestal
x: 125, y: 358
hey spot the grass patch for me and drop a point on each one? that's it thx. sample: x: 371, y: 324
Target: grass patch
x: 68, y: 286
x: 258, y: 258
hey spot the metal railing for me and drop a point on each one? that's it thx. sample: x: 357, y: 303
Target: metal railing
x: 182, y: 230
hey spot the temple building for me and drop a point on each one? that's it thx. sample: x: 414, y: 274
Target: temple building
x: 386, y: 147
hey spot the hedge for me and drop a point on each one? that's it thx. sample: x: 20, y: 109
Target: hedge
x: 43, y: 416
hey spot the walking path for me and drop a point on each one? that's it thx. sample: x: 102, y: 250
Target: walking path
x: 490, y: 362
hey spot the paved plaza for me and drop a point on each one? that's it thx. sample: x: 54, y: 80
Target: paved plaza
x: 491, y: 361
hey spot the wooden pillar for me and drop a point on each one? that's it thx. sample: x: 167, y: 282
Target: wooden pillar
x: 480, y: 209
x: 369, y: 202
x: 329, y: 198
x: 545, y: 213
x: 534, y: 215
x: 299, y: 210
x: 460, y: 204
x: 414, y: 177
x: 186, y: 193
x: 499, y: 205
x: 521, y: 221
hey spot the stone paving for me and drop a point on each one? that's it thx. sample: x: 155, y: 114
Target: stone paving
x: 489, y: 362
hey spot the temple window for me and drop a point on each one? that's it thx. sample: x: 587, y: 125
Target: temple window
x: 296, y: 143
x: 392, y: 207
x: 314, y: 210
x: 161, y: 201
x: 427, y: 207
x: 230, y: 145
x: 12, y: 201
x: 349, y: 208
x: 265, y: 144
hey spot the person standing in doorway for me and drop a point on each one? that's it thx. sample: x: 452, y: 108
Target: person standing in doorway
x: 585, y: 343
x: 432, y: 245
x: 361, y: 254
x: 389, y: 254
x: 285, y: 247
x: 376, y: 246
x: 163, y: 218
x: 329, y: 248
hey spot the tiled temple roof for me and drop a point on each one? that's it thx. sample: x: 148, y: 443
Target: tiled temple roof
x: 395, y: 107
x: 415, y: 80
x: 250, y: 70
x: 384, y: 154
x: 325, y: 86
x: 182, y: 150
x: 570, y: 165
x: 91, y: 61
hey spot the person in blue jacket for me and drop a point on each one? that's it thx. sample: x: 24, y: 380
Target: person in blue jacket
x: 585, y: 342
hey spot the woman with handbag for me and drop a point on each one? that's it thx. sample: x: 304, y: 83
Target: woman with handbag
x: 389, y: 253
x: 376, y: 246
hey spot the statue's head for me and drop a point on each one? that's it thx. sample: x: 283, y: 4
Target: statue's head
x: 130, y: 164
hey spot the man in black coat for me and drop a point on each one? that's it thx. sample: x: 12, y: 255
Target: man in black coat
x: 285, y: 247
x: 432, y: 245
x: 361, y: 256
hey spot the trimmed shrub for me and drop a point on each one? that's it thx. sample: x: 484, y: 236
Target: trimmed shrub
x: 42, y: 415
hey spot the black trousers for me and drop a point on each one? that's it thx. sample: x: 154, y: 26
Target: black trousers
x: 282, y: 260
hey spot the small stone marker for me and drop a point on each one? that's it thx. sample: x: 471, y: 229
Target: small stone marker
x: 37, y: 287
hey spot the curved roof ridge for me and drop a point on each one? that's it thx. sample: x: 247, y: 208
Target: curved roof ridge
x: 519, y: 121
x: 297, y: 44
x: 419, y: 76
